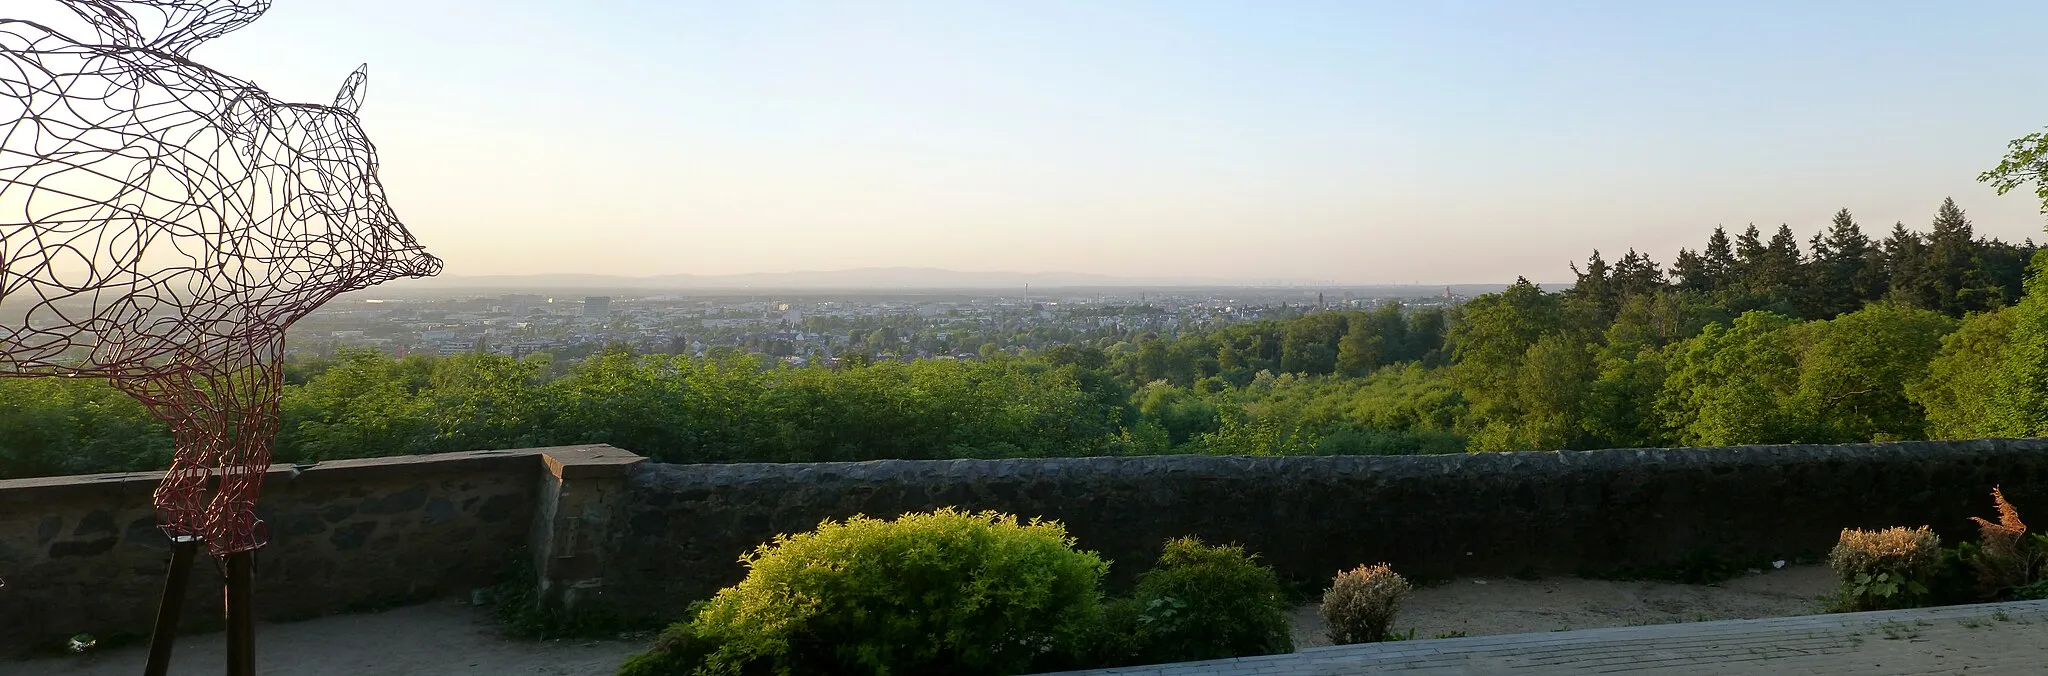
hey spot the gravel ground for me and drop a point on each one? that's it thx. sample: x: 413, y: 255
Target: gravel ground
x: 1485, y: 607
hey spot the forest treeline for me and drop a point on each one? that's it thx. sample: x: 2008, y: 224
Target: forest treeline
x: 1845, y: 338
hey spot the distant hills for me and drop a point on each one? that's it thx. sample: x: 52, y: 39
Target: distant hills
x: 870, y: 279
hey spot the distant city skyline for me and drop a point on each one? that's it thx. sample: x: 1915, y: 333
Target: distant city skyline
x: 882, y: 278
x: 1359, y: 142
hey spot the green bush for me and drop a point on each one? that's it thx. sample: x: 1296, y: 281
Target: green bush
x: 938, y: 593
x: 1205, y: 602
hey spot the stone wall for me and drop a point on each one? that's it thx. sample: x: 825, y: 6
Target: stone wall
x: 1589, y: 512
x: 83, y: 554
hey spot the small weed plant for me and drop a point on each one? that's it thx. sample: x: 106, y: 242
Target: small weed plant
x: 1362, y: 602
x: 1885, y: 569
x: 522, y: 613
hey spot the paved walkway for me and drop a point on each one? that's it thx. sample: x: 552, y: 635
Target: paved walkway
x: 1991, y: 638
x: 433, y: 639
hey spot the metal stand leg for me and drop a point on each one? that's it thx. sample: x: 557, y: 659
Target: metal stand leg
x: 241, y: 614
x: 165, y: 636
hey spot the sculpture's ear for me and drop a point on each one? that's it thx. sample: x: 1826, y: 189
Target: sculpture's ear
x: 353, y: 90
x: 115, y: 25
x: 187, y: 23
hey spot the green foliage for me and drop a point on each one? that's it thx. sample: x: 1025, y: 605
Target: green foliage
x: 1958, y: 391
x: 1854, y: 369
x: 2026, y: 161
x: 2019, y: 392
x: 1771, y: 379
x: 1752, y: 339
x: 75, y: 426
x: 943, y: 592
x: 1953, y: 581
x: 1205, y: 602
x: 522, y: 613
x: 1494, y: 335
x: 679, y: 651
x: 2033, y: 591
x: 1733, y: 385
x: 1883, y: 589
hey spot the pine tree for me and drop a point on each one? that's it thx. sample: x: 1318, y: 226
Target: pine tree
x: 1636, y: 275
x: 1876, y: 279
x: 1777, y: 276
x: 1749, y: 257
x: 1690, y: 272
x: 2004, y: 268
x: 1594, y: 285
x: 1952, y: 262
x: 1905, y: 255
x: 1719, y: 260
x: 1843, y: 259
x: 1815, y: 299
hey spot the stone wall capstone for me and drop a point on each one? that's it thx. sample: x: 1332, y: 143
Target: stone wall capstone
x: 1568, y: 512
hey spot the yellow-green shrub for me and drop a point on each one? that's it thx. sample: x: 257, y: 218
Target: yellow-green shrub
x: 943, y: 592
x: 1362, y: 602
x: 1888, y: 568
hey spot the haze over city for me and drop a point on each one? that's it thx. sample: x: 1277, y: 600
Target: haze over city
x: 1339, y: 141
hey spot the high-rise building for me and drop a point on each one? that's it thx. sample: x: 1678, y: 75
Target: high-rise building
x: 597, y: 307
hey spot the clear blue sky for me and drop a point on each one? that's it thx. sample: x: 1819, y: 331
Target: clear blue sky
x: 1355, y: 141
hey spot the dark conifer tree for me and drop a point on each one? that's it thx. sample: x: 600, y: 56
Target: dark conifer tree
x: 2004, y: 268
x: 1690, y: 272
x: 1779, y: 273
x: 1636, y: 275
x: 1595, y: 285
x: 1843, y: 259
x: 1812, y: 295
x: 1749, y: 257
x: 1905, y: 255
x: 1952, y: 262
x: 1719, y: 260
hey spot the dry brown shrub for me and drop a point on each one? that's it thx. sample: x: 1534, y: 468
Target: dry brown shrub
x: 2003, y: 560
x: 1361, y: 604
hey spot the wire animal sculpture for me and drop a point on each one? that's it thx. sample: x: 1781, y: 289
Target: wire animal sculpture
x: 162, y: 224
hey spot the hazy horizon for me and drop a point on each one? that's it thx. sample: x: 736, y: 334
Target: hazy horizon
x: 1033, y: 277
x: 1363, y: 143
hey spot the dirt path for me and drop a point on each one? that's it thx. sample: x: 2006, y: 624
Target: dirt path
x: 1509, y: 606
x: 434, y: 639
x: 438, y: 639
